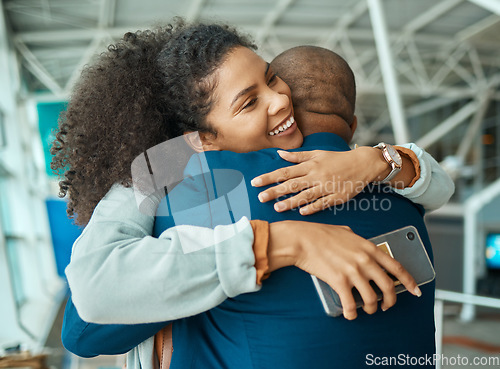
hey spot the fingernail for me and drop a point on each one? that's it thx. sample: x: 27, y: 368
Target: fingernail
x: 281, y: 152
x: 256, y: 182
x: 303, y: 211
x: 279, y: 206
x: 417, y: 291
x: 263, y: 197
x: 384, y: 308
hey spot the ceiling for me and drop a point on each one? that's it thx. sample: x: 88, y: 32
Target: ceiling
x: 427, y: 54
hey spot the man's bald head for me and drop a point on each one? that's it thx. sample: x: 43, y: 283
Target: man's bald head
x: 323, y: 89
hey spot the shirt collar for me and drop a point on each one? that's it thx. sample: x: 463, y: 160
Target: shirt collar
x: 326, y: 139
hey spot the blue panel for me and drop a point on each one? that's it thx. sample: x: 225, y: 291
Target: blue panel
x: 48, y: 115
x: 493, y: 251
x: 64, y: 232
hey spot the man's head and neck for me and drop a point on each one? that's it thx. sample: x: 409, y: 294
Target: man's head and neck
x: 323, y: 90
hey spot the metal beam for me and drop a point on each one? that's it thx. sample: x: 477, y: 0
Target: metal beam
x: 430, y: 15
x: 194, y: 10
x: 491, y: 5
x: 394, y: 101
x: 86, y: 58
x: 352, y: 56
x: 16, y: 4
x: 57, y: 17
x: 366, y: 135
x: 344, y: 22
x: 299, y: 32
x: 270, y: 19
x: 416, y: 61
x: 474, y: 127
x: 474, y: 204
x: 58, y: 53
x: 430, y: 105
x: 446, y: 126
x: 477, y: 67
x: 477, y: 27
x: 452, y: 59
x: 107, y: 13
x: 412, y: 90
x: 37, y: 69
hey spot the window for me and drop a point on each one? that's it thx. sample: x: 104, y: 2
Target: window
x: 3, y: 133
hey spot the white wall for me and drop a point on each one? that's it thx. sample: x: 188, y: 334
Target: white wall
x: 27, y: 268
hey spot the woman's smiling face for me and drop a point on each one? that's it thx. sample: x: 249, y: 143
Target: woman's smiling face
x: 252, y: 108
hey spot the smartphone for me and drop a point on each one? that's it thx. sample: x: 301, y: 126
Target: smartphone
x: 405, y: 246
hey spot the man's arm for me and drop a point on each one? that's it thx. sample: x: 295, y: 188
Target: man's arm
x: 89, y: 340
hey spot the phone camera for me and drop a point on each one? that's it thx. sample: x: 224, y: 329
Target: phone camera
x: 410, y: 236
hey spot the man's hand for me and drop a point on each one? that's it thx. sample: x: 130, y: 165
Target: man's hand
x: 321, y: 179
x: 340, y: 258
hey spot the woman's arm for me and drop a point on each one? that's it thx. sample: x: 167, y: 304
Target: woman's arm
x: 325, y: 178
x: 115, y: 261
x: 434, y: 187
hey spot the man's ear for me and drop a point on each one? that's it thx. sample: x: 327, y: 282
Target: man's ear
x: 353, y: 126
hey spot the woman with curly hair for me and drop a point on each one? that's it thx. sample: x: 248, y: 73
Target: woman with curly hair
x: 157, y: 85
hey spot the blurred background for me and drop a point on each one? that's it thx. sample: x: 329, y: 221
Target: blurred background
x: 427, y: 71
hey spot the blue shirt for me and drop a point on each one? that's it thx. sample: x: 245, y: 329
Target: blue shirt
x: 284, y: 325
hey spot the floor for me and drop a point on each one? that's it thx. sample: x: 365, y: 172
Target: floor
x: 472, y: 345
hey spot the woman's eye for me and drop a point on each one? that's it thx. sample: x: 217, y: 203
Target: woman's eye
x: 272, y: 79
x: 250, y: 103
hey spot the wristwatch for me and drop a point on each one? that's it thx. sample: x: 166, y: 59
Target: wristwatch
x: 392, y: 157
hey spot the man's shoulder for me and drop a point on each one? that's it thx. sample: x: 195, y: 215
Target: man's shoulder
x: 317, y: 141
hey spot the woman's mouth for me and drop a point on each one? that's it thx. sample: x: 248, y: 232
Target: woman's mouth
x: 282, y: 127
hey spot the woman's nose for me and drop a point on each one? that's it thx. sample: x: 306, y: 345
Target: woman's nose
x: 277, y: 102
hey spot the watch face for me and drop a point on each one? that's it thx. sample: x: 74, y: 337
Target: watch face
x: 394, y: 155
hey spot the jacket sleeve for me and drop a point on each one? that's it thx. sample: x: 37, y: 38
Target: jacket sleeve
x: 119, y: 274
x: 434, y: 187
x: 89, y: 340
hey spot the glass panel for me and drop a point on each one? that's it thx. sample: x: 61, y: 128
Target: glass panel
x: 3, y: 133
x: 15, y: 270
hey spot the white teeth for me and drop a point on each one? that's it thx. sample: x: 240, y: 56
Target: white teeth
x: 283, y: 128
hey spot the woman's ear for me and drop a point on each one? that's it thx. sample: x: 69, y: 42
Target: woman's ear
x: 194, y: 141
x: 201, y: 141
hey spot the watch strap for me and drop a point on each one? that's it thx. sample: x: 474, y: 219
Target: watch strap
x: 395, y: 168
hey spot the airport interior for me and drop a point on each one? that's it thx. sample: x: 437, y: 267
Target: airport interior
x: 427, y: 72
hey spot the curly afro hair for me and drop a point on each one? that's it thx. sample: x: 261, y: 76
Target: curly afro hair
x: 148, y: 87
